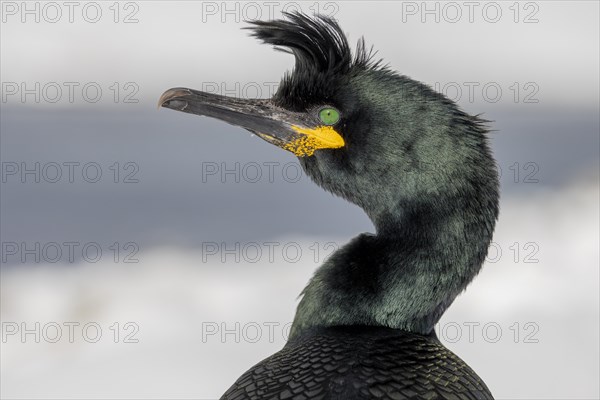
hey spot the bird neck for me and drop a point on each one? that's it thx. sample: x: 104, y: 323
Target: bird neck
x: 407, y: 274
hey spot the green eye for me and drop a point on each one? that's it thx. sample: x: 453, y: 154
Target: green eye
x: 329, y: 116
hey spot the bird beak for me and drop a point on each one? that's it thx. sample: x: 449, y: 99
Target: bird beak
x: 289, y: 130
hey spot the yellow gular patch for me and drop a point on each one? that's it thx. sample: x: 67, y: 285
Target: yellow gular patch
x: 321, y: 137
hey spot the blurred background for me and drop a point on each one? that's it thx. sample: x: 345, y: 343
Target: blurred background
x: 153, y: 254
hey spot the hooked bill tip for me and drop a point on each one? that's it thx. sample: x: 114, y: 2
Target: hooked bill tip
x: 170, y: 98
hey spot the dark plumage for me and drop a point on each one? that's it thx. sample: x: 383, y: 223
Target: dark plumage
x: 344, y: 363
x: 421, y: 169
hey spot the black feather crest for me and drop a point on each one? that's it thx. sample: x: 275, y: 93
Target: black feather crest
x: 317, y: 43
x: 321, y: 50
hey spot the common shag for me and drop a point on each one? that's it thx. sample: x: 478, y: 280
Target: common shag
x: 421, y: 169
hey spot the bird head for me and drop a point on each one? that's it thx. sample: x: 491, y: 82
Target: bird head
x: 379, y: 139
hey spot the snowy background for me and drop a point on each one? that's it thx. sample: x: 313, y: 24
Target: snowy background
x: 201, y: 259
